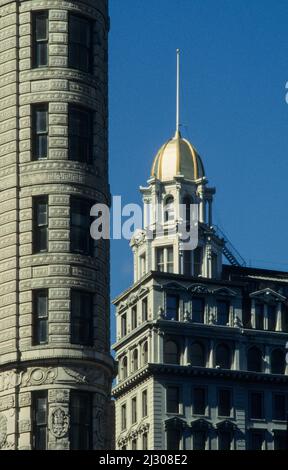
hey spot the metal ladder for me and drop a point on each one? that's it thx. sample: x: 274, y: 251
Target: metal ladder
x: 229, y: 251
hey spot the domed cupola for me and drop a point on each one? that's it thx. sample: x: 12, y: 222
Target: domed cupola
x: 177, y: 157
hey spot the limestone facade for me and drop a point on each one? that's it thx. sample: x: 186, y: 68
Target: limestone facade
x: 58, y: 366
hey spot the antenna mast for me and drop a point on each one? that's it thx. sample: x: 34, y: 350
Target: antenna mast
x: 178, y: 91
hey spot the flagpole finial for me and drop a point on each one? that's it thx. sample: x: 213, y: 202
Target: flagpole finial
x: 178, y: 91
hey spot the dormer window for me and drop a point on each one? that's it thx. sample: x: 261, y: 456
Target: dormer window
x: 169, y: 214
x: 259, y: 316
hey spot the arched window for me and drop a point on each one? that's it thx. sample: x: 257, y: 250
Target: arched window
x: 145, y: 353
x: 135, y: 360
x: 278, y: 363
x: 254, y: 360
x: 169, y: 209
x: 223, y: 356
x: 124, y: 368
x: 171, y: 353
x: 198, y: 355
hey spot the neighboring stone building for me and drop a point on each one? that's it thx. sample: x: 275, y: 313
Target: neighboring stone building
x: 55, y: 364
x: 200, y: 345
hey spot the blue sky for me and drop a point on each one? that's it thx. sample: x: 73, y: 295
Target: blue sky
x: 234, y: 67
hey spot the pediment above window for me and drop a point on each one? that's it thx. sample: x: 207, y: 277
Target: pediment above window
x: 175, y: 286
x: 226, y: 425
x: 201, y: 425
x: 224, y: 292
x: 175, y: 423
x: 199, y: 289
x: 266, y: 295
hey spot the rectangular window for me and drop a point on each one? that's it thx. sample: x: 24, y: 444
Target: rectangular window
x: 80, y: 134
x: 224, y: 403
x: 223, y: 309
x: 142, y: 265
x: 199, y: 440
x: 145, y: 309
x: 123, y: 325
x: 272, y: 313
x: 134, y: 444
x: 81, y: 408
x: 144, y: 404
x: 134, y: 410
x: 160, y: 259
x: 80, y: 239
x: 187, y: 262
x: 256, y: 405
x: 280, y: 440
x: 197, y: 261
x: 40, y: 317
x: 256, y: 440
x: 224, y: 440
x: 172, y: 309
x: 123, y: 417
x: 172, y: 400
x: 40, y: 131
x: 165, y: 259
x: 40, y: 224
x: 145, y: 441
x: 170, y: 259
x: 134, y: 317
x: 39, y: 420
x: 80, y: 43
x: 81, y: 317
x: 199, y: 401
x: 198, y: 308
x: 40, y: 39
x: 259, y: 316
x: 279, y: 407
x: 173, y: 439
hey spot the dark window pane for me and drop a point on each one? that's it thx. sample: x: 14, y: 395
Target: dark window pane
x: 172, y: 307
x: 40, y: 39
x: 224, y: 403
x: 256, y: 405
x: 199, y: 440
x: 80, y: 134
x: 254, y: 360
x: 198, y: 306
x: 144, y: 404
x: 278, y: 362
x: 198, y: 355
x: 134, y: 410
x: 171, y: 353
x: 40, y: 224
x: 145, y: 441
x: 80, y: 238
x: 223, y: 308
x: 280, y: 440
x: 40, y: 131
x: 279, y: 407
x: 80, y: 43
x: 199, y: 401
x: 272, y: 312
x: 197, y: 261
x: 223, y: 356
x: 259, y: 316
x: 81, y: 421
x: 144, y: 309
x: 173, y: 439
x: 123, y: 325
x: 256, y: 440
x: 224, y: 440
x: 40, y: 412
x: 160, y: 259
x: 172, y: 400
x: 81, y: 317
x: 134, y: 317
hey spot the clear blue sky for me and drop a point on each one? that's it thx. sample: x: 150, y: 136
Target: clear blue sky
x: 234, y: 71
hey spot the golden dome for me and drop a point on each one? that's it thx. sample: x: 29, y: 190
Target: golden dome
x: 177, y: 157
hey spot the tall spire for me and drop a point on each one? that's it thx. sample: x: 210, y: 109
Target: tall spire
x: 178, y: 92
